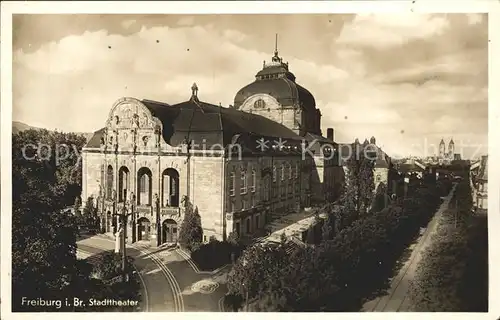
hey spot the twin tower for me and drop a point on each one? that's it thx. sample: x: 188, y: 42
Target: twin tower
x: 442, y: 149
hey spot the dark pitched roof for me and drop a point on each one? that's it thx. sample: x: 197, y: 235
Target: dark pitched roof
x: 207, y: 124
x: 95, y: 140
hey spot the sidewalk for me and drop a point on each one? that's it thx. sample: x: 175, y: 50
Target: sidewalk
x: 396, y: 299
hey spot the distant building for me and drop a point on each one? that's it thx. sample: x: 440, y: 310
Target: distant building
x: 480, y: 187
x: 384, y: 167
x: 446, y: 156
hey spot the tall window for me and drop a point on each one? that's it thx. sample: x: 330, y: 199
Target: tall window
x: 289, y: 171
x: 123, y: 182
x: 274, y: 173
x: 282, y: 172
x: 243, y: 187
x: 232, y: 183
x: 109, y: 182
x: 170, y: 188
x: 145, y: 192
x: 254, y: 180
x: 296, y: 170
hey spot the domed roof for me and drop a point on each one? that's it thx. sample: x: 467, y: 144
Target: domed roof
x: 276, y: 80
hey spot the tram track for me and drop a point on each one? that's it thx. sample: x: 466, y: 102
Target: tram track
x: 174, y: 285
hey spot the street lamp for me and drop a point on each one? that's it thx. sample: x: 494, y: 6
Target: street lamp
x: 123, y: 219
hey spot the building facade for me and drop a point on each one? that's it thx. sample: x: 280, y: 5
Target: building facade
x: 237, y: 166
x: 480, y: 187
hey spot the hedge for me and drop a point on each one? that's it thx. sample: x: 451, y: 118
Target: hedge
x: 215, y: 254
x: 338, y: 274
x: 453, y: 273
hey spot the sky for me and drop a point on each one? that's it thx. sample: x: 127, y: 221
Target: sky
x: 409, y: 80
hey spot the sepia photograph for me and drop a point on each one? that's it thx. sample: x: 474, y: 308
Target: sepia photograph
x: 326, y: 162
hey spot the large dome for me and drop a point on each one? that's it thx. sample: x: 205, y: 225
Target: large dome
x: 276, y: 80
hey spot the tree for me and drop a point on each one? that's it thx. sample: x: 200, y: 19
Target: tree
x: 359, y: 184
x: 191, y: 232
x: 43, y: 237
x: 381, y: 198
x: 366, y: 178
x: 327, y: 228
x: 78, y: 204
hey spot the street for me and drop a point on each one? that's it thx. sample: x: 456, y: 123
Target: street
x: 171, y: 281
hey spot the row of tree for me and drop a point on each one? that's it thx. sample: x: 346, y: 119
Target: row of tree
x: 453, y: 274
x: 358, y: 250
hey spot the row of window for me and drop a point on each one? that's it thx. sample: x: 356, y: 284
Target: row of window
x: 253, y: 178
x: 250, y: 224
x: 169, y: 195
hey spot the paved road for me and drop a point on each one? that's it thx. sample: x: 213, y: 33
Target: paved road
x: 171, y: 281
x: 396, y: 299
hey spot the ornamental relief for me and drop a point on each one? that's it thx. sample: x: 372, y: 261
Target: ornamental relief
x: 130, y: 114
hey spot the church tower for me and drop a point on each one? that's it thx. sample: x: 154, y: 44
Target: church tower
x: 442, y: 149
x: 451, y: 149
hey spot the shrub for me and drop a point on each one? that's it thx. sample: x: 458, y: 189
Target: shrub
x: 191, y: 231
x: 214, y: 254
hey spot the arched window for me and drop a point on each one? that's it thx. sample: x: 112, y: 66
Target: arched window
x: 109, y: 182
x: 145, y: 192
x: 123, y: 184
x: 170, y: 188
x: 379, y: 178
x: 274, y: 174
x: 282, y: 172
x: 289, y: 171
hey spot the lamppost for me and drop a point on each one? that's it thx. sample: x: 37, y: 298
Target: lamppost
x: 158, y: 225
x: 123, y: 219
x: 134, y: 217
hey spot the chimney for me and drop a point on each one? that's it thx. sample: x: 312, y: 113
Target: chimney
x: 329, y: 134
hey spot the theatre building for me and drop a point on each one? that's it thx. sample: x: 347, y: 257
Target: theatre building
x: 239, y: 166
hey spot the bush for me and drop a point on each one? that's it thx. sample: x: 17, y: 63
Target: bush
x: 191, y: 232
x: 215, y: 254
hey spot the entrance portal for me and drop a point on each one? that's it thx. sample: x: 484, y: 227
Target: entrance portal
x: 143, y: 229
x: 169, y: 231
